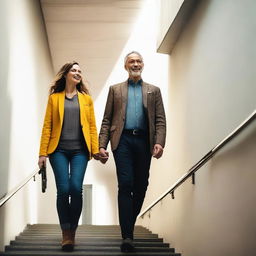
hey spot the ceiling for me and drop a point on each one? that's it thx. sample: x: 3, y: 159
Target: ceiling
x: 92, y: 32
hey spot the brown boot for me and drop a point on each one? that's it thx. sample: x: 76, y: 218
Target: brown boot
x: 72, y: 236
x: 67, y: 243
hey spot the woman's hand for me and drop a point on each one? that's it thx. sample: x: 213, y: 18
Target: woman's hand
x: 103, y: 155
x: 42, y: 161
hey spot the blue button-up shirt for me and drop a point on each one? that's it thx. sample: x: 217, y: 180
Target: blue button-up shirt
x: 135, y: 117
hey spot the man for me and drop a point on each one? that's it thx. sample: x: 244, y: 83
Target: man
x: 134, y: 122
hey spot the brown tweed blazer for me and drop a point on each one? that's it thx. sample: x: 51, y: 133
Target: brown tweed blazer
x: 115, y: 110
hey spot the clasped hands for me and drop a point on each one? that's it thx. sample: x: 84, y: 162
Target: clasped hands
x: 103, y: 155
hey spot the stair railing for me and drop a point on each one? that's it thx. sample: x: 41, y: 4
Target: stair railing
x: 10, y: 194
x: 200, y: 163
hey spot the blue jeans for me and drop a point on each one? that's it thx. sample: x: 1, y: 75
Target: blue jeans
x: 132, y: 159
x: 69, y: 168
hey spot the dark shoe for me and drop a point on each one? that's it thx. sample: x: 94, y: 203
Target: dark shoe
x: 127, y: 245
x: 67, y: 244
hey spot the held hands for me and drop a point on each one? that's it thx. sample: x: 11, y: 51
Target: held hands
x: 42, y: 161
x: 102, y: 156
x: 158, y: 151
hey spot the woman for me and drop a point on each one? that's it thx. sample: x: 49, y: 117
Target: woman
x: 69, y: 138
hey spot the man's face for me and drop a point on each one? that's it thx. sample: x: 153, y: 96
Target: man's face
x: 134, y: 65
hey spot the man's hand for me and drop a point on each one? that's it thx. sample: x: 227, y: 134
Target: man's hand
x: 158, y: 151
x: 42, y: 161
x: 103, y: 155
x: 96, y: 156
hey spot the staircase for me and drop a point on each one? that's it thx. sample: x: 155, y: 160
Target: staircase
x: 44, y: 239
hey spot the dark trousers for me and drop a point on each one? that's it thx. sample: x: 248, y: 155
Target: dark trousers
x: 132, y: 159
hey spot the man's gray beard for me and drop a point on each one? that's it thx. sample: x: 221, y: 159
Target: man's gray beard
x: 135, y: 73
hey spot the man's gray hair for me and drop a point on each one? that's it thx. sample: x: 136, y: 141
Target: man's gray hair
x: 133, y: 52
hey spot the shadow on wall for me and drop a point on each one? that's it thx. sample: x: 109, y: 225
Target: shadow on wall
x: 239, y: 150
x: 5, y: 112
x: 222, y: 199
x: 190, y: 33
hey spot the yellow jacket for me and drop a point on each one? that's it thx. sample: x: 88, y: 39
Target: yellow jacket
x: 54, y: 119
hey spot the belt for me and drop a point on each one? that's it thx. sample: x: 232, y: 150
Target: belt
x: 134, y: 132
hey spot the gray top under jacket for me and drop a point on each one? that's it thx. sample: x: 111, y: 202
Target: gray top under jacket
x: 71, y: 135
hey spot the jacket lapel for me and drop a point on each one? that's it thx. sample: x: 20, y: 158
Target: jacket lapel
x: 124, y: 95
x: 81, y: 104
x: 145, y: 94
x: 61, y: 105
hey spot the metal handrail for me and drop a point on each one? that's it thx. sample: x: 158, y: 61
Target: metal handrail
x: 9, y: 195
x: 200, y: 163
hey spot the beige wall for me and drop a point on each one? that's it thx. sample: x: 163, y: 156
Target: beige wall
x: 24, y: 76
x: 211, y: 91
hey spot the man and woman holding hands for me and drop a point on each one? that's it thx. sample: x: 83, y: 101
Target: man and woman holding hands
x: 134, y: 122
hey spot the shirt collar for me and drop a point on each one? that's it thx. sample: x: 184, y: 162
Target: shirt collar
x: 131, y: 82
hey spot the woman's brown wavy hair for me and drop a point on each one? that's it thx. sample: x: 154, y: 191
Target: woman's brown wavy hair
x: 59, y: 82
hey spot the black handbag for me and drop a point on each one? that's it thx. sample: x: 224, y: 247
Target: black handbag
x: 42, y: 171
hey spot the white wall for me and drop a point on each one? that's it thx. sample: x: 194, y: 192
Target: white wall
x: 208, y: 89
x: 211, y: 91
x: 25, y: 74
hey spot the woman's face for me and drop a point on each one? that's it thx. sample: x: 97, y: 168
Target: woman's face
x: 74, y: 75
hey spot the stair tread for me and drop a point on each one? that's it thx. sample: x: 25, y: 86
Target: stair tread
x: 87, y: 243
x: 81, y: 227
x: 43, y: 253
x: 86, y: 235
x: 93, y: 240
x: 90, y: 239
x: 85, y: 248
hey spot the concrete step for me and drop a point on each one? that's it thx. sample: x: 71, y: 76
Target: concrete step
x: 45, y: 239
x: 88, y: 243
x: 90, y: 239
x: 84, y: 235
x: 84, y: 248
x: 77, y: 253
x: 82, y: 227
